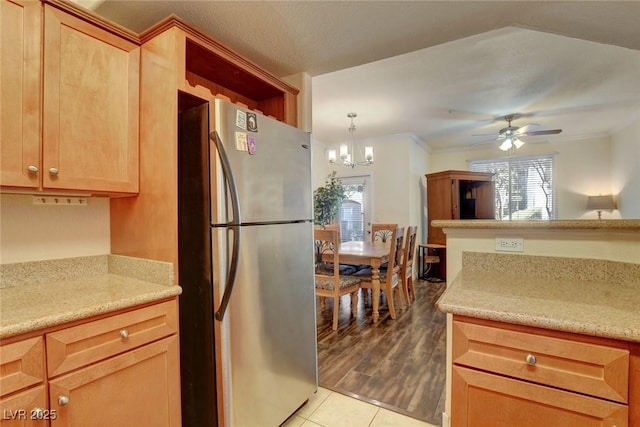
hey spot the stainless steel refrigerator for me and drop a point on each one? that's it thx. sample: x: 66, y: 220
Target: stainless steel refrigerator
x: 247, y: 311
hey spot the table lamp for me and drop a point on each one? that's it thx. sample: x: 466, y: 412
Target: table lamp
x: 601, y: 203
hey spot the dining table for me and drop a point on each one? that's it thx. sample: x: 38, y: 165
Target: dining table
x: 373, y: 254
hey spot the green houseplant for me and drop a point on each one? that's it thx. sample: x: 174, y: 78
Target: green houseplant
x: 327, y: 200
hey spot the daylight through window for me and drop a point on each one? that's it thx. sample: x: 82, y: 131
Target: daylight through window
x: 524, y: 186
x: 352, y: 210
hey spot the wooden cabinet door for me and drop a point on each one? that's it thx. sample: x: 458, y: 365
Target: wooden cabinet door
x: 24, y: 409
x: 485, y: 200
x: 20, y: 48
x: 90, y: 101
x: 481, y: 399
x: 137, y: 388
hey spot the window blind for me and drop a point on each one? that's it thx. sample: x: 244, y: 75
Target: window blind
x: 351, y: 210
x: 524, y: 186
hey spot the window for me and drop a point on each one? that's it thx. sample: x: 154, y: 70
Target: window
x: 352, y: 211
x: 524, y: 186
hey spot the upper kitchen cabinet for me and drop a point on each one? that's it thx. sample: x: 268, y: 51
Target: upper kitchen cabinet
x: 90, y: 107
x: 20, y: 52
x: 70, y: 101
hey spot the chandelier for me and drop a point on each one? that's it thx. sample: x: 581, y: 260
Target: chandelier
x: 347, y: 155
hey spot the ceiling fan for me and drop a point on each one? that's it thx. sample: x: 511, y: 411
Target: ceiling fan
x: 510, y: 134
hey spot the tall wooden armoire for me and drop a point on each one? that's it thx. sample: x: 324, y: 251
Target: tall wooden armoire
x: 456, y: 194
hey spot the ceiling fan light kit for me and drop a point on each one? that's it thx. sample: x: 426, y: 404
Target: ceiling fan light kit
x: 511, y: 134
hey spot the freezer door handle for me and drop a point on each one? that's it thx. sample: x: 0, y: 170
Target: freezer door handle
x: 233, y: 225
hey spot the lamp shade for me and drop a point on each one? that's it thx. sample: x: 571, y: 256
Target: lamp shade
x: 601, y: 203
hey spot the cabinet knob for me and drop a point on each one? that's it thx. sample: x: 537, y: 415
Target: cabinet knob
x: 124, y: 333
x: 530, y: 359
x: 53, y: 171
x: 32, y: 169
x: 37, y: 413
x: 63, y: 400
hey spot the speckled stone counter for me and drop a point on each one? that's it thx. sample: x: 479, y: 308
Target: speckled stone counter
x: 592, y: 297
x: 33, y: 296
x: 560, y: 224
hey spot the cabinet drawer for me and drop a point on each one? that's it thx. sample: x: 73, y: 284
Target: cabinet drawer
x: 21, y: 365
x: 590, y: 369
x: 487, y: 400
x: 81, y: 345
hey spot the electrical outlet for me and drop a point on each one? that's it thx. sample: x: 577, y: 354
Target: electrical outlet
x: 59, y: 201
x: 510, y: 244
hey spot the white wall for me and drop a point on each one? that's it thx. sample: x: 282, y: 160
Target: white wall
x: 35, y: 233
x: 625, y: 158
x: 582, y: 167
x: 419, y: 158
x: 302, y: 82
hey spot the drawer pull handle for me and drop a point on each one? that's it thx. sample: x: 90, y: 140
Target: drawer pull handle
x: 124, y: 334
x: 32, y: 169
x: 53, y: 171
x: 63, y: 400
x: 530, y: 359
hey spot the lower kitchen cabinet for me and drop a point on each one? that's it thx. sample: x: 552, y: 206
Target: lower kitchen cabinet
x: 483, y: 399
x: 507, y: 375
x: 120, y: 370
x: 137, y: 388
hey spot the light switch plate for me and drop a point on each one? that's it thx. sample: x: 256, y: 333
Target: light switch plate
x: 509, y: 244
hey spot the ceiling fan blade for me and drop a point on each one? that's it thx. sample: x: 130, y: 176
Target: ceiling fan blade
x: 524, y: 129
x: 541, y: 132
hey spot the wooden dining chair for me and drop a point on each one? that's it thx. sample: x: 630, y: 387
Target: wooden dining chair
x: 328, y: 280
x: 382, y: 232
x: 389, y: 279
x: 406, y: 271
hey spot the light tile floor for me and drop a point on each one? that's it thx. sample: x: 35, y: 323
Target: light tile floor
x: 330, y: 409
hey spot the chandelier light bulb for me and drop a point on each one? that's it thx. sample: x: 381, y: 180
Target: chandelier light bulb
x: 344, y: 151
x: 368, y: 153
x: 332, y: 156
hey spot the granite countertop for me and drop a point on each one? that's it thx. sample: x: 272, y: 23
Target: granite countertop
x: 598, y: 307
x: 70, y: 296
x: 567, y: 224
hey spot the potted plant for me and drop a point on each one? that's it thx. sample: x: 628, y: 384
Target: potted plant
x: 327, y: 200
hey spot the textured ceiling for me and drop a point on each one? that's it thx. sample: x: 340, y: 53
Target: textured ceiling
x: 402, y: 66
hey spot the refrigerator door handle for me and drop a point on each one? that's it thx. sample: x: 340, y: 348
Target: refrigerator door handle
x: 228, y: 174
x: 233, y: 225
x: 231, y: 278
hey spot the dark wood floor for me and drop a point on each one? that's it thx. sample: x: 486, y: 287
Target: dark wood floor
x: 398, y: 364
